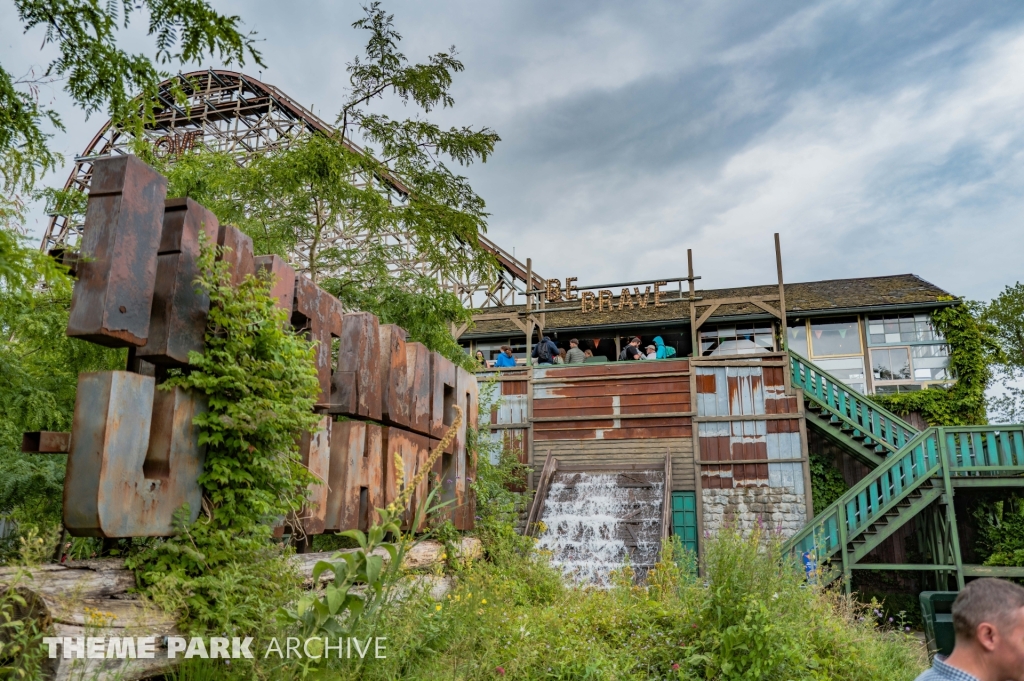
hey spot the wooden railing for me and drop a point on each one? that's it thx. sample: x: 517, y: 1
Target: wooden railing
x: 863, y: 415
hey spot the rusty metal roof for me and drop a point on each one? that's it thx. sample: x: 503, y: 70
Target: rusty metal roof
x: 816, y: 298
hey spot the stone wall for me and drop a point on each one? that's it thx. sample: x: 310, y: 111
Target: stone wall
x: 776, y: 507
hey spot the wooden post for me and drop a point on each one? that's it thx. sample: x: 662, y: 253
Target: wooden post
x: 694, y: 351
x: 529, y: 309
x: 782, y: 293
x: 666, y: 503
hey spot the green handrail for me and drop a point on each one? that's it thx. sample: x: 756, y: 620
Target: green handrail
x: 874, y: 422
x: 871, y: 498
x: 979, y: 451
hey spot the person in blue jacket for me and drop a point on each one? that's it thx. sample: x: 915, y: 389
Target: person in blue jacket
x: 505, y: 358
x: 664, y: 351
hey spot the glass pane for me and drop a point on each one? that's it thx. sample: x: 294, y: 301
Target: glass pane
x: 764, y: 340
x: 929, y: 351
x: 835, y: 337
x: 890, y: 364
x: 892, y: 325
x: 798, y: 340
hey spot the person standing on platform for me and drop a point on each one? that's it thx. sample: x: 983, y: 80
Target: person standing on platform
x: 575, y: 355
x: 988, y: 618
x: 505, y: 358
x: 545, y: 351
x: 632, y: 351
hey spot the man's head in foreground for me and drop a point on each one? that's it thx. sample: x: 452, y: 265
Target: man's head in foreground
x: 988, y: 617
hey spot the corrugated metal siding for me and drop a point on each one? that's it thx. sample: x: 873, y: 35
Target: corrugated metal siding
x: 513, y: 408
x: 724, y: 391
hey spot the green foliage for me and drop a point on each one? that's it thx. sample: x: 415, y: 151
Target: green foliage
x: 39, y: 367
x: 748, y: 616
x: 827, y: 483
x: 298, y: 200
x: 973, y: 349
x: 1006, y: 314
x: 98, y: 74
x: 260, y: 385
x: 1001, y: 531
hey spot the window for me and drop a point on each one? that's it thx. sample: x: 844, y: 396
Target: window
x: 931, y: 362
x: 849, y: 370
x: 897, y: 388
x: 798, y: 339
x: 904, y: 328
x: 740, y: 339
x: 835, y: 337
x: 890, y: 364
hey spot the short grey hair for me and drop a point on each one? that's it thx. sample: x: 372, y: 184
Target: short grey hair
x: 985, y: 600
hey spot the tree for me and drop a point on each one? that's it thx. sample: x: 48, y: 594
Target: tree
x: 355, y: 220
x: 39, y: 365
x: 1006, y: 314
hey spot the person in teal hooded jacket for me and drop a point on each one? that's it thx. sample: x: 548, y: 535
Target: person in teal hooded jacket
x: 664, y: 351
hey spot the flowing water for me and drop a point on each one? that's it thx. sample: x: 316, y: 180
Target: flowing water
x: 594, y: 521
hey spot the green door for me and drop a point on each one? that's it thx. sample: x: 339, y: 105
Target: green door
x: 684, y: 518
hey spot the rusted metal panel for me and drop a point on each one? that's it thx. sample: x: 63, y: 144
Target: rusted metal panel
x: 282, y: 279
x: 394, y: 377
x: 45, y: 442
x: 418, y: 365
x: 442, y: 391
x: 356, y: 475
x: 465, y: 469
x: 319, y: 314
x: 356, y: 388
x: 135, y: 457
x: 412, y: 449
x: 113, y: 295
x: 315, y: 450
x: 237, y: 252
x: 178, y: 322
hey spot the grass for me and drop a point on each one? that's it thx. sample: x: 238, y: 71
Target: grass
x: 750, y: 616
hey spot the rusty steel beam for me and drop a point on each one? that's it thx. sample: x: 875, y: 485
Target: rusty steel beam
x: 315, y: 449
x: 282, y: 279
x: 113, y: 296
x: 356, y: 475
x: 394, y: 377
x: 418, y: 366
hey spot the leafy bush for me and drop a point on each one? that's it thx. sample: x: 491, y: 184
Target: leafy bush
x: 223, y: 573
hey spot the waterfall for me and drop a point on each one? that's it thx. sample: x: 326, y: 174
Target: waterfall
x: 593, y: 521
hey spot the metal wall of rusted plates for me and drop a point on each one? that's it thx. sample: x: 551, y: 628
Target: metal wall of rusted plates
x: 730, y: 393
x: 510, y: 414
x: 134, y: 457
x: 583, y: 402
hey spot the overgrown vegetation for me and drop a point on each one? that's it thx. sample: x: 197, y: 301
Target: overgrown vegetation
x: 827, y: 483
x: 222, y: 573
x: 1001, y: 531
x: 973, y: 351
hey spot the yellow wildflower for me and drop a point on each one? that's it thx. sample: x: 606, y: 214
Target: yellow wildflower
x: 438, y: 606
x: 483, y: 601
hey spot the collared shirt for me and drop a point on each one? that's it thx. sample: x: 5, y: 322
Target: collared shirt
x: 941, y: 671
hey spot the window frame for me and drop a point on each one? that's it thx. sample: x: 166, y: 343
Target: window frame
x: 810, y: 341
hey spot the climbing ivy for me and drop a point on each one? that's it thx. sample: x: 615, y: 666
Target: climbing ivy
x: 260, y: 383
x: 973, y: 349
x: 827, y: 483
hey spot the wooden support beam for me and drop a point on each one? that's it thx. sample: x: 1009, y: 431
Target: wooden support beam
x: 666, y: 503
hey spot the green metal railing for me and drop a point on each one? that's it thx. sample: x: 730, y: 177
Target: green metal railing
x: 858, y: 413
x: 939, y: 454
x: 871, y: 498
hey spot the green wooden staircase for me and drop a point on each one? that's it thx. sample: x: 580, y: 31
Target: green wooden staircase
x: 914, y: 475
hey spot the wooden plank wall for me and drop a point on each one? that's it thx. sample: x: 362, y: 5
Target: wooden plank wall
x: 579, y: 454
x: 613, y: 401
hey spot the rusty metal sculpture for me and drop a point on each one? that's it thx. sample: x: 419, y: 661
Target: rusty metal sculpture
x: 134, y: 457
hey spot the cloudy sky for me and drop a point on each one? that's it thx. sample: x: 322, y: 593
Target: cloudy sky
x: 877, y: 137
